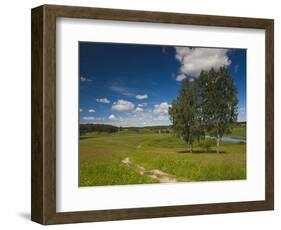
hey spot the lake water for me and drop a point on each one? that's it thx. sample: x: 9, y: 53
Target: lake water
x: 230, y: 139
x: 233, y: 140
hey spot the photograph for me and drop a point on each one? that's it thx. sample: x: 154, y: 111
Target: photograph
x: 151, y: 114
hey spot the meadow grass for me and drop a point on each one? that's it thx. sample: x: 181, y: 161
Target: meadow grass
x: 101, y: 158
x: 238, y: 132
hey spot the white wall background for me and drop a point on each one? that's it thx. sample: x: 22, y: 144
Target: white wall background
x: 15, y: 114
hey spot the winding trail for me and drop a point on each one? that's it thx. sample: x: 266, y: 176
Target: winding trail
x: 155, y: 174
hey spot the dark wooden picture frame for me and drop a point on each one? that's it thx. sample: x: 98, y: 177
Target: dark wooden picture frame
x: 43, y: 189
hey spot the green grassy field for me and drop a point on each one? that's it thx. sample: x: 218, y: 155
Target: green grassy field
x: 148, y: 153
x: 238, y: 132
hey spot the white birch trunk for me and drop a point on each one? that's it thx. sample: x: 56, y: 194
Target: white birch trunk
x: 218, y: 143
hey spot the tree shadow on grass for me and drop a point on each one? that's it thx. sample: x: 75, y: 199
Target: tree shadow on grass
x: 201, y: 152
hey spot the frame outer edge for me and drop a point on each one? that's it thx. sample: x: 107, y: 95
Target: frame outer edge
x: 49, y: 114
x: 269, y: 148
x: 37, y: 189
x: 43, y: 156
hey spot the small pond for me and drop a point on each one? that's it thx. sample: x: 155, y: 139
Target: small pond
x: 231, y: 139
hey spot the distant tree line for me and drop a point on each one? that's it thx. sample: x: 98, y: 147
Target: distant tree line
x: 206, y: 105
x: 85, y: 128
x: 156, y: 129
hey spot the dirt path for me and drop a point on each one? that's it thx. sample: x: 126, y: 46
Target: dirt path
x: 155, y: 174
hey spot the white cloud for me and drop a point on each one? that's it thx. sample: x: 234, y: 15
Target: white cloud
x: 242, y: 114
x: 112, y: 117
x: 144, y: 118
x: 161, y: 108
x: 242, y: 111
x: 122, y: 90
x: 180, y: 77
x: 99, y: 118
x: 142, y: 104
x: 80, y: 110
x: 138, y: 109
x: 103, y: 100
x: 161, y: 117
x: 193, y: 60
x: 123, y: 105
x: 141, y: 97
x: 148, y: 117
x: 89, y: 118
x: 84, y: 79
x: 91, y: 110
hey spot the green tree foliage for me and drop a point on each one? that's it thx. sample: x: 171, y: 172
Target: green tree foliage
x: 206, y: 105
x: 85, y: 128
x: 185, y: 113
x: 218, y: 102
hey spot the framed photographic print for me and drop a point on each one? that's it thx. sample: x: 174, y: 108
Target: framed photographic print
x: 141, y: 114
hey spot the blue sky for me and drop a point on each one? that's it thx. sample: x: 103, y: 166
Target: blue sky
x: 134, y: 85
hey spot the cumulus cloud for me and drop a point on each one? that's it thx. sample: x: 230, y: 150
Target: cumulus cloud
x: 103, y: 100
x: 141, y: 97
x: 161, y: 117
x: 142, y: 104
x: 147, y: 117
x: 89, y: 118
x: 193, y: 60
x: 139, y: 109
x: 84, y: 79
x: 80, y: 110
x: 180, y: 77
x: 242, y: 110
x: 122, y: 90
x: 161, y: 108
x: 112, y: 117
x: 91, y: 110
x: 123, y: 105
